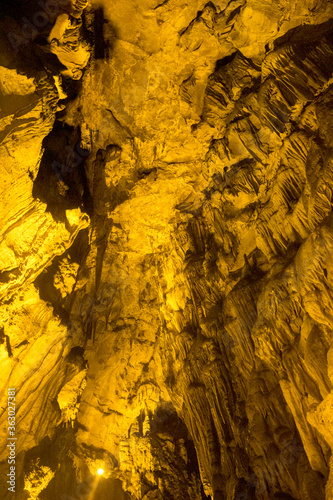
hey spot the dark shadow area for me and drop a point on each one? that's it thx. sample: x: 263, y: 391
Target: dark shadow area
x: 16, y: 51
x: 45, y: 280
x: 8, y: 7
x: 220, y: 63
x: 306, y: 34
x: 24, y: 29
x: 55, y: 453
x: 283, y: 496
x: 100, y: 42
x: 49, y: 293
x: 100, y: 33
x: 80, y: 247
x: 233, y: 14
x: 75, y: 357
x: 154, y: 427
x: 71, y: 88
x: 208, y: 5
x: 244, y: 491
x: 4, y: 339
x: 23, y: 25
x: 61, y: 181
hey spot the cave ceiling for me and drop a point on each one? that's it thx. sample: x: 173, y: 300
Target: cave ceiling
x: 166, y: 249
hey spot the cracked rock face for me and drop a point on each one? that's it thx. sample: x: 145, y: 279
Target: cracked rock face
x: 166, y: 278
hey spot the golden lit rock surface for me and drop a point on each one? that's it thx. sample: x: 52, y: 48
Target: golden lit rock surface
x: 166, y: 249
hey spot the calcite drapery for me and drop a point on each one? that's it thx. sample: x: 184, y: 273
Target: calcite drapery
x: 166, y: 250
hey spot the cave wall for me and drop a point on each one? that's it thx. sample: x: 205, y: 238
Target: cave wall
x: 166, y: 248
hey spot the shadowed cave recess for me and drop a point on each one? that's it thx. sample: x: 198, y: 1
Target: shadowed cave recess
x: 166, y: 250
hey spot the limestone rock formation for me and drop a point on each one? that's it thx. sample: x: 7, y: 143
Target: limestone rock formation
x: 166, y: 277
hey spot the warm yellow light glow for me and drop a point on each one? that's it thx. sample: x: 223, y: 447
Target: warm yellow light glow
x: 100, y: 472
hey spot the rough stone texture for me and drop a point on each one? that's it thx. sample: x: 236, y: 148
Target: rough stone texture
x: 166, y: 272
